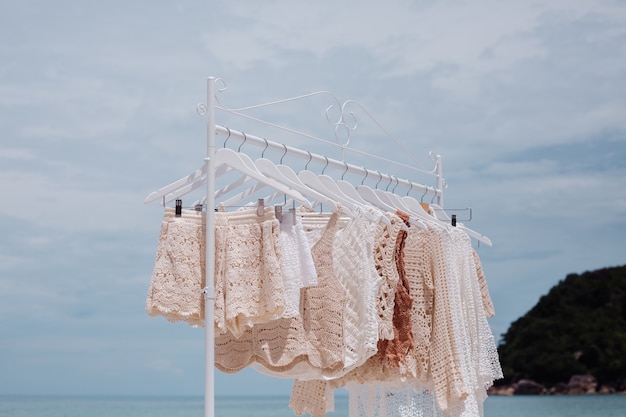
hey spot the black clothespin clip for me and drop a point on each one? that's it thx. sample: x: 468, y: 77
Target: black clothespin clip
x: 454, y: 220
x: 179, y: 208
x: 198, y: 207
x: 260, y: 208
x: 278, y: 212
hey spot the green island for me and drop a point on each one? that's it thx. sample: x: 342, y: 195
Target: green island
x: 573, y: 341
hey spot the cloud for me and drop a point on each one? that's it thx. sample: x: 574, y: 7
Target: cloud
x: 524, y: 101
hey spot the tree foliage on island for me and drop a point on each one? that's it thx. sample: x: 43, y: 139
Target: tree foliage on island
x: 579, y: 327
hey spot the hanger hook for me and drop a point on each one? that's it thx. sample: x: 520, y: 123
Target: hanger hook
x: 393, y: 190
x: 284, y: 153
x: 365, y: 177
x: 424, y: 195
x: 227, y: 137
x: 324, y: 169
x: 264, y: 149
x: 432, y: 200
x: 380, y: 177
x: 345, y: 170
x: 391, y: 177
x: 306, y: 166
x: 410, y: 188
x: 245, y: 138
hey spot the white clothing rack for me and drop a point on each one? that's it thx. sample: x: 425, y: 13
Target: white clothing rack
x: 208, y: 170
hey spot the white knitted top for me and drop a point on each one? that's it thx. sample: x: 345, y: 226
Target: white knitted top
x: 456, y: 352
x: 364, y: 262
x: 353, y: 261
x: 477, y: 352
x: 296, y: 263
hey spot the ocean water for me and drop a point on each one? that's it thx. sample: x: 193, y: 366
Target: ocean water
x: 61, y: 406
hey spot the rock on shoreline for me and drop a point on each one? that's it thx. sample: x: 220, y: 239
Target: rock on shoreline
x: 577, y: 385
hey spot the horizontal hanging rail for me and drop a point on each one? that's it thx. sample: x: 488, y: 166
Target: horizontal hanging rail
x: 435, y: 192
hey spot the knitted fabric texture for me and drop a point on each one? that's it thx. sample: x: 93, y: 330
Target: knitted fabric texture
x: 460, y: 359
x: 178, y: 276
x: 377, y: 368
x: 313, y: 339
x: 380, y: 400
x: 419, y: 257
x: 385, y: 250
x: 484, y: 289
x: 475, y: 351
x: 348, y: 242
x: 396, y: 351
x: 410, y: 353
x: 483, y: 353
x: 444, y: 365
x: 353, y: 260
x: 354, y: 267
x: 297, y: 267
x: 312, y: 397
x: 308, y: 274
x: 249, y: 282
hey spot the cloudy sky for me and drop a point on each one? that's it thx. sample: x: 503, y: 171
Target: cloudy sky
x: 525, y: 101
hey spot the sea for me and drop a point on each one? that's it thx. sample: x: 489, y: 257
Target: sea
x: 80, y: 406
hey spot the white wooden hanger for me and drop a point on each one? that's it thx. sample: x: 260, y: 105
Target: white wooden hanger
x: 327, y: 185
x: 368, y: 194
x: 334, y: 188
x: 312, y: 180
x: 348, y: 189
x: 268, y: 168
x: 390, y: 199
x: 417, y: 209
x: 254, y: 172
x: 394, y: 200
x: 184, y: 185
x: 230, y: 159
x: 236, y: 199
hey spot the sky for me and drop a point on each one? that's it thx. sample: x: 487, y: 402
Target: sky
x: 525, y: 101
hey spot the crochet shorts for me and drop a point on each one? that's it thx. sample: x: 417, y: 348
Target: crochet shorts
x: 248, y: 280
x: 178, y: 276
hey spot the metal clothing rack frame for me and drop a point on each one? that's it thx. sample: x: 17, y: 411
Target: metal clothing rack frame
x: 212, y: 129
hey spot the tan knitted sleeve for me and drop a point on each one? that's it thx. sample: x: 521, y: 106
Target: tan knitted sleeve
x: 484, y: 290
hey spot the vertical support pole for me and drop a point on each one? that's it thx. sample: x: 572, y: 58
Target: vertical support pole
x: 209, y: 290
x: 440, y: 183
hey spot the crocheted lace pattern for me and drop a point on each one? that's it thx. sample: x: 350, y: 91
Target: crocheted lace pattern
x: 396, y: 314
x: 305, y: 346
x: 178, y: 275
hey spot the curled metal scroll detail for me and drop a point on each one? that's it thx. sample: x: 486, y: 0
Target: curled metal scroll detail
x: 201, y: 109
x: 345, y: 124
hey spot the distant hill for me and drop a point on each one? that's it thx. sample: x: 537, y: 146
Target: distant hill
x: 579, y: 327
